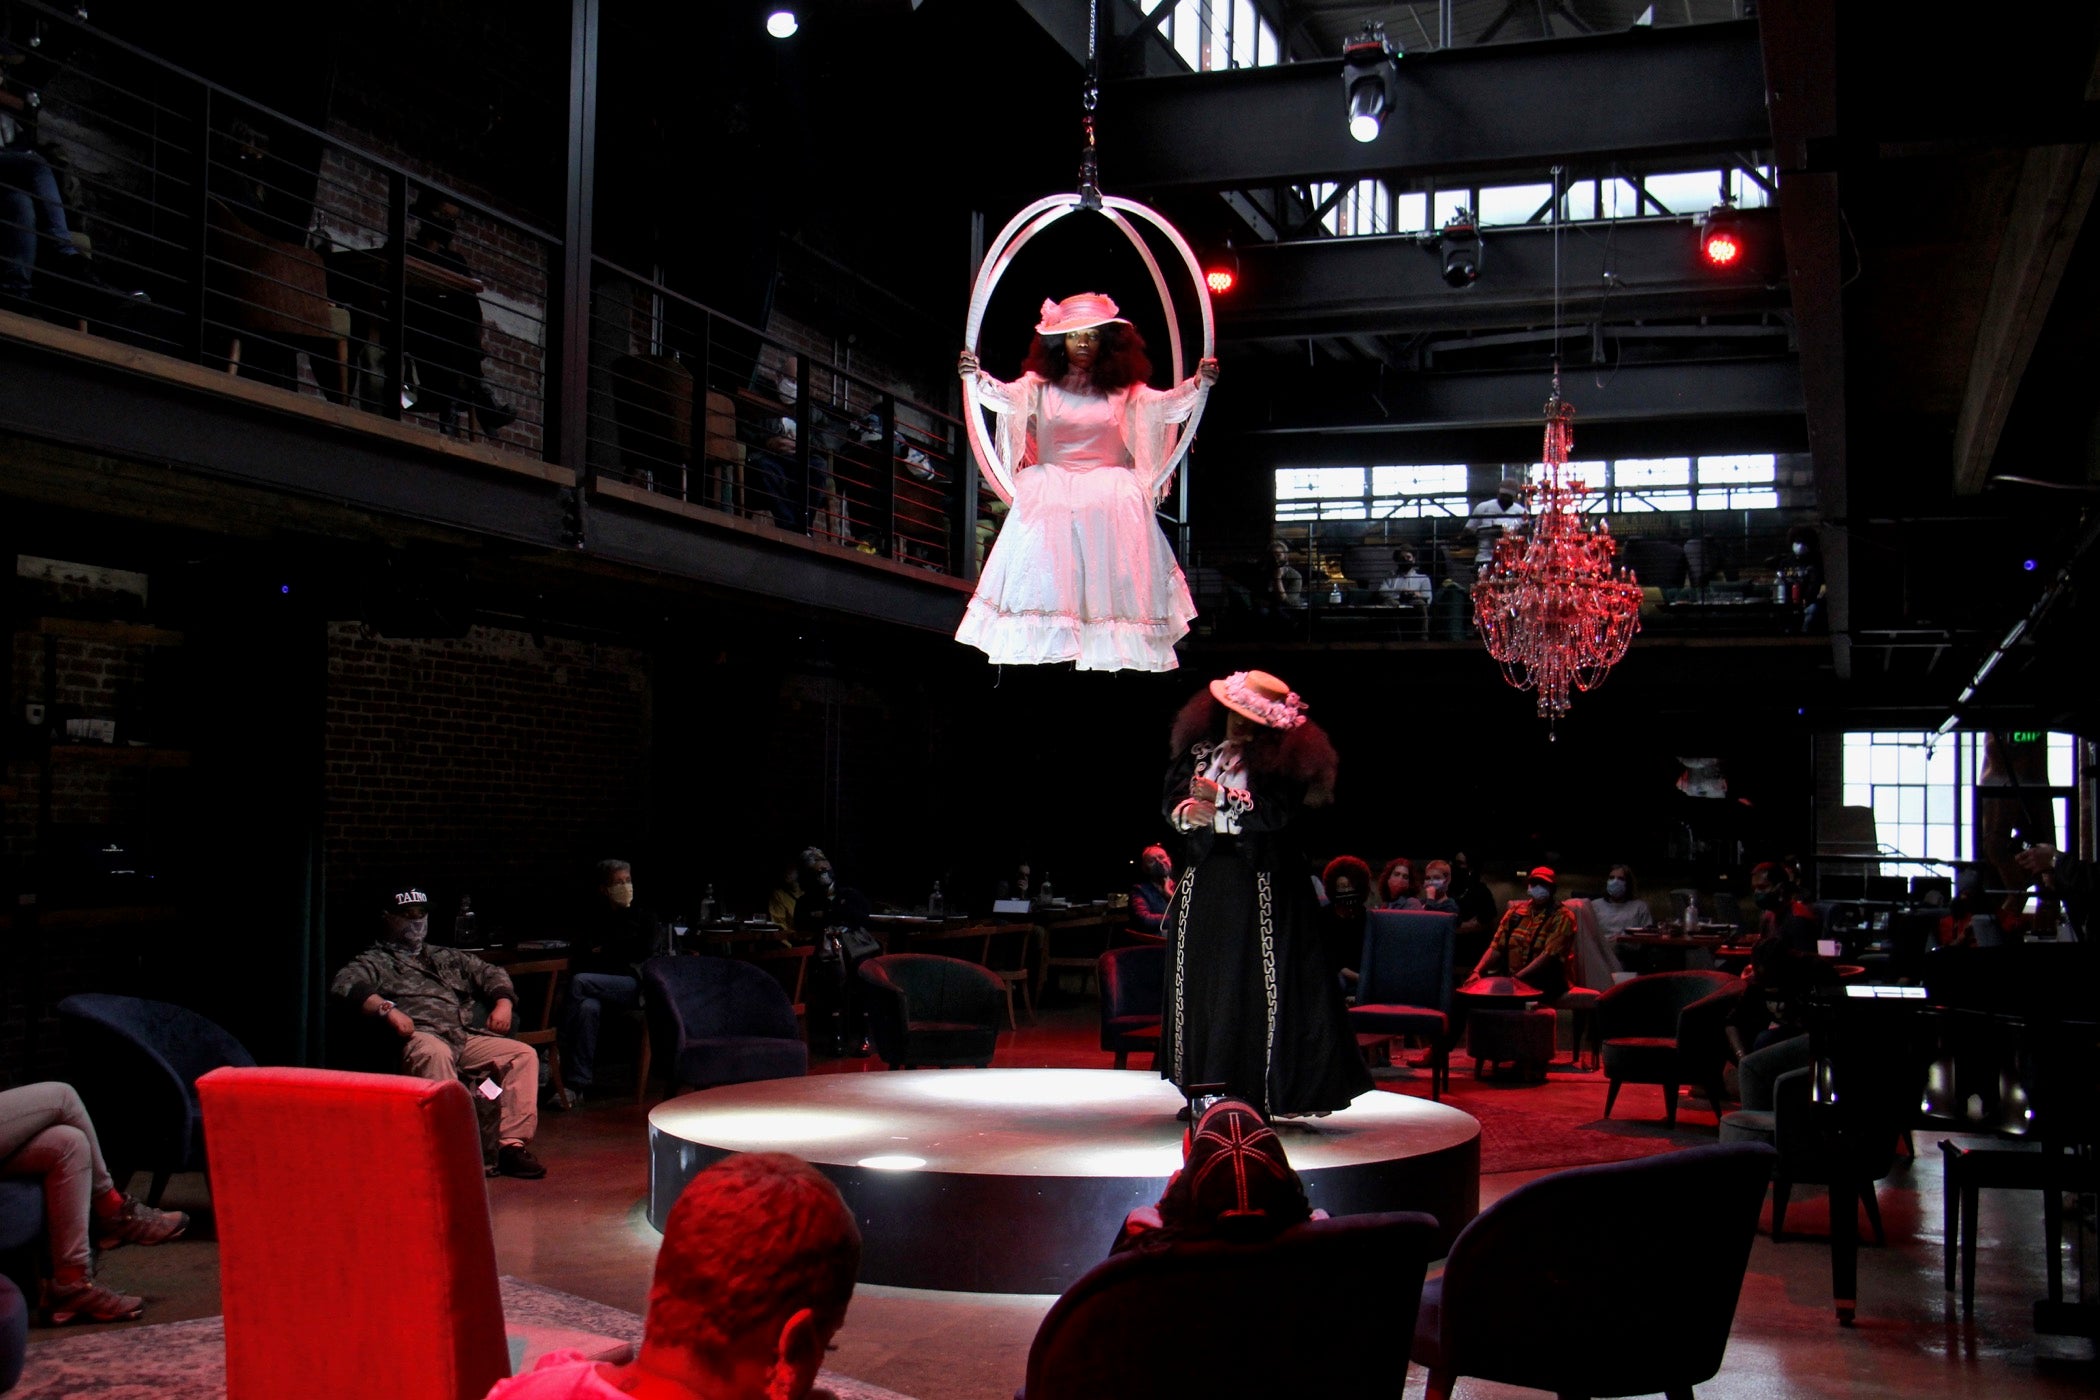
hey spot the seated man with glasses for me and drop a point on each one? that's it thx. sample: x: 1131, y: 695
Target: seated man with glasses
x: 429, y: 997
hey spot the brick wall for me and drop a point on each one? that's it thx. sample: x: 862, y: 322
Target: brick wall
x: 499, y: 760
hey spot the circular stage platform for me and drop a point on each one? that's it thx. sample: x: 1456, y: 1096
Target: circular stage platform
x: 1015, y: 1180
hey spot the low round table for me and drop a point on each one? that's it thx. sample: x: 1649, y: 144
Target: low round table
x: 1502, y: 1026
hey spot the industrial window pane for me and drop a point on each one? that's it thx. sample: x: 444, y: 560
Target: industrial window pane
x: 1939, y: 804
x: 1652, y: 471
x: 1656, y: 500
x: 1299, y: 483
x: 1858, y: 795
x: 1617, y: 199
x: 1217, y: 19
x: 1188, y: 32
x: 1885, y: 808
x: 2063, y: 760
x: 1739, y: 498
x: 1265, y: 55
x: 1344, y: 510
x: 1413, y: 214
x: 1881, y: 768
x: 1910, y: 804
x: 1243, y: 33
x: 1593, y: 475
x: 1730, y: 471
x: 1396, y: 481
x: 1449, y: 203
x: 1912, y: 766
x: 1579, y: 201
x: 1693, y: 192
x: 1297, y: 510
x: 1940, y: 768
x: 1512, y: 204
x: 1853, y: 741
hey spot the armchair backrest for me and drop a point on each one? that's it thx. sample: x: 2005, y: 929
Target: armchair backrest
x: 1649, y: 1005
x: 136, y: 1064
x: 400, y: 1265
x: 935, y: 988
x: 1576, y: 1255
x: 699, y: 998
x: 1133, y: 980
x: 1407, y: 958
x: 1287, y: 1316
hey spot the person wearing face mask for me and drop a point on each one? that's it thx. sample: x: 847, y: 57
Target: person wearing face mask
x: 1348, y: 883
x: 1396, y: 884
x: 1535, y: 942
x: 1491, y: 519
x: 1782, y: 914
x: 1080, y: 571
x: 1620, y: 909
x: 1436, y: 888
x: 615, y: 936
x: 1802, y: 585
x: 429, y: 997
x: 1155, y: 887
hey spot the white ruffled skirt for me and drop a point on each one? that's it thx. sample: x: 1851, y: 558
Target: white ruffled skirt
x: 1080, y: 573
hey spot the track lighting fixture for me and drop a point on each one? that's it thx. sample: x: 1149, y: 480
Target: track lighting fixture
x: 1459, y: 241
x: 1370, y: 80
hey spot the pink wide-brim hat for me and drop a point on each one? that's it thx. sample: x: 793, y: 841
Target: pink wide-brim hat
x: 1078, y: 312
x: 1261, y: 697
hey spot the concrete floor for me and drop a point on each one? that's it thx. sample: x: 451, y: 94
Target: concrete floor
x: 582, y: 1230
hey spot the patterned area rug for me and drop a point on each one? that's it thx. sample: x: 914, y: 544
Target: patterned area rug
x: 1561, y: 1123
x: 187, y: 1360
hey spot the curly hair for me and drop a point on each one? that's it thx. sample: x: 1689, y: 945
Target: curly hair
x: 1354, y: 867
x: 1120, y: 361
x: 1302, y: 755
x: 1385, y: 877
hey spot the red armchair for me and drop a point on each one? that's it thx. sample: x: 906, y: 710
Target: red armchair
x: 353, y: 1218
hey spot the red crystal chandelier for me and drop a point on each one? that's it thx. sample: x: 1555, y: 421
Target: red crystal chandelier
x: 1549, y: 604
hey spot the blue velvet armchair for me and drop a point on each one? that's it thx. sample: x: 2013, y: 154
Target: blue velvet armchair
x: 1404, y: 987
x: 22, y: 1232
x: 1539, y: 1289
x: 136, y: 1064
x: 929, y: 1010
x: 720, y: 1021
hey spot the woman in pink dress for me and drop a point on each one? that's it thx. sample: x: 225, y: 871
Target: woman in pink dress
x: 1080, y: 571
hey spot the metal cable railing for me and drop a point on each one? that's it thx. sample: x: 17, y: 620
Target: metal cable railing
x: 692, y: 405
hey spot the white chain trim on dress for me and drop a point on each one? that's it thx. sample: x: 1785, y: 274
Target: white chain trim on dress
x: 1181, y: 954
x: 1267, y: 927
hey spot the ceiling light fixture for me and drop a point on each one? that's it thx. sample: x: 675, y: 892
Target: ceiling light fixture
x: 1370, y: 79
x: 1721, y: 237
x: 1460, y: 243
x: 782, y: 24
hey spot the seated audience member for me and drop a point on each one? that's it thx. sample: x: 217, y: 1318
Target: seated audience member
x: 1436, y: 888
x: 1535, y: 942
x: 1476, y: 912
x: 1407, y: 586
x: 1018, y: 885
x: 752, y: 1282
x: 442, y: 330
x: 825, y: 902
x: 1155, y: 886
x: 1235, y: 1183
x: 1396, y: 885
x: 784, y: 896
x: 45, y: 1134
x: 1286, y: 584
x: 1783, y: 913
x: 1619, y: 909
x: 1348, y: 883
x: 1774, y: 1006
x: 427, y: 996
x: 615, y: 936
x: 1491, y: 519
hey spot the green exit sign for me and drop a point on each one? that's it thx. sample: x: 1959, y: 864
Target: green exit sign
x: 2027, y: 736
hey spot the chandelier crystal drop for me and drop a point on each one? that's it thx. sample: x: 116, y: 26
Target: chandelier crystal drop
x: 1551, y: 608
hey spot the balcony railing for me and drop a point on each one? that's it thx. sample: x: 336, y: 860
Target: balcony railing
x: 203, y: 227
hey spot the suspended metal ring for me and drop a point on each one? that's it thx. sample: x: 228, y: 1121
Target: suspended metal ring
x: 997, y: 258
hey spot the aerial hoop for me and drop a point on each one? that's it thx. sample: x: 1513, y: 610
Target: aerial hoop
x: 1014, y: 237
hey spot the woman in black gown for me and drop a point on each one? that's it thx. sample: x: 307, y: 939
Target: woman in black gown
x: 1251, y: 1003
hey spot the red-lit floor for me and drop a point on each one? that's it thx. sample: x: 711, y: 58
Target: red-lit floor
x: 581, y: 1230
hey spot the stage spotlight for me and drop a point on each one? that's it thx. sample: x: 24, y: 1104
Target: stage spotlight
x: 781, y: 24
x: 1460, y: 243
x: 1221, y: 270
x: 1370, y: 80
x: 1721, y: 237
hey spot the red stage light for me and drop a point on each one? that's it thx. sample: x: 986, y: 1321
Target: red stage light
x: 1721, y: 247
x: 1219, y: 280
